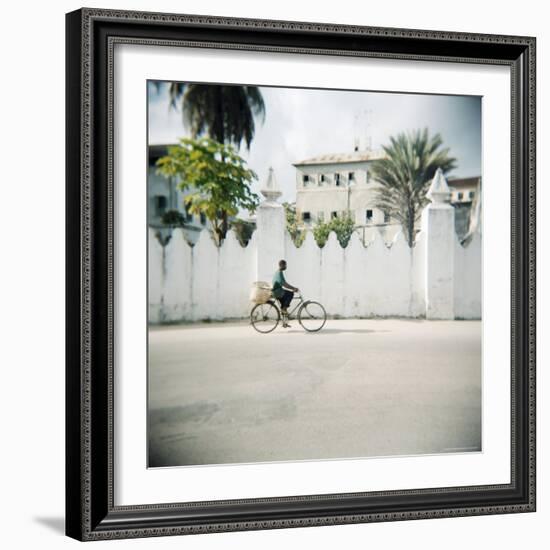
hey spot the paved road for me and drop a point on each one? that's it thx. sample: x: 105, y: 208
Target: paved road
x: 222, y: 393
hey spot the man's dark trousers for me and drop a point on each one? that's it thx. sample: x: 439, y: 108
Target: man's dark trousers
x: 286, y: 298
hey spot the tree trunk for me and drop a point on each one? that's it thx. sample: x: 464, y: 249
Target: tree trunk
x: 224, y: 225
x: 217, y: 233
x: 410, y: 226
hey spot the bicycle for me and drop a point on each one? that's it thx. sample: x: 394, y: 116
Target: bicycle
x: 310, y: 314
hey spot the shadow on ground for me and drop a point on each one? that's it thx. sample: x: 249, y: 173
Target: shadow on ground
x: 56, y: 524
x: 336, y: 331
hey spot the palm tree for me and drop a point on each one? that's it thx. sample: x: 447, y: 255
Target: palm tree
x: 224, y: 113
x: 404, y: 176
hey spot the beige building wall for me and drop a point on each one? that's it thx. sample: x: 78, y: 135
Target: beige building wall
x: 464, y: 190
x: 328, y: 189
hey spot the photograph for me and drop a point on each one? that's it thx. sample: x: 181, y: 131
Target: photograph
x: 314, y: 274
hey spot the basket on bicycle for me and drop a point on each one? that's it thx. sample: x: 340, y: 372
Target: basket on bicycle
x: 260, y: 292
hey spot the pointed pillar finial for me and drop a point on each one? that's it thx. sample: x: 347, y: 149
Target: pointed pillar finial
x: 271, y: 190
x: 439, y: 192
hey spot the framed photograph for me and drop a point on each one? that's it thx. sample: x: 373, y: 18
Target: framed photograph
x: 300, y: 274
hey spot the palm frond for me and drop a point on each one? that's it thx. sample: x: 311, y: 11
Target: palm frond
x: 175, y: 92
x: 224, y: 113
x: 404, y: 174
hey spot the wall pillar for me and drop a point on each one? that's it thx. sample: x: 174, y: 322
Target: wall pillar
x: 438, y: 223
x: 270, y: 231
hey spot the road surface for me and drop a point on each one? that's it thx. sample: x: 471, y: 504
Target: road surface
x: 223, y: 393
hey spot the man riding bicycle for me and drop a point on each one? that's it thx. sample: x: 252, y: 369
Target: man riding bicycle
x: 283, y: 291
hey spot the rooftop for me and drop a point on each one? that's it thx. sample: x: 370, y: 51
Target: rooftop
x: 463, y: 182
x: 333, y: 158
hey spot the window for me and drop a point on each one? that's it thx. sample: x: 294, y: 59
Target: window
x: 337, y: 179
x: 321, y: 216
x: 460, y: 195
x: 386, y: 217
x: 333, y: 214
x: 306, y: 217
x: 160, y: 204
x: 368, y: 216
x: 471, y: 194
x: 322, y: 178
x: 203, y: 218
x: 351, y: 176
x: 305, y: 179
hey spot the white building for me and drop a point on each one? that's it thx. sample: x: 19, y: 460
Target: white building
x: 463, y: 190
x: 333, y: 185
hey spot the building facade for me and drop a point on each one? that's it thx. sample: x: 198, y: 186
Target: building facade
x: 335, y: 185
x: 463, y: 190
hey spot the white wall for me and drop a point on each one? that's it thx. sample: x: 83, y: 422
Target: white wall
x: 32, y: 407
x: 203, y: 281
x: 467, y: 281
x: 356, y: 281
x: 206, y: 282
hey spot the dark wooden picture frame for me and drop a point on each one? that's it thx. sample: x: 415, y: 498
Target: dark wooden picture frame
x: 90, y: 510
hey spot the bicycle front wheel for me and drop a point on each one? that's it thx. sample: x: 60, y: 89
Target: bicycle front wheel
x: 312, y: 316
x: 265, y: 317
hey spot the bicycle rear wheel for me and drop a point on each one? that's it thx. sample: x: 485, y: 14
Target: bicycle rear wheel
x: 265, y: 317
x: 312, y: 316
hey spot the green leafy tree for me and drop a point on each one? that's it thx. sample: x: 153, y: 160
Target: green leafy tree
x: 342, y: 226
x: 173, y: 218
x: 321, y: 231
x: 243, y: 230
x: 297, y: 234
x: 224, y: 113
x: 404, y: 175
x: 217, y: 178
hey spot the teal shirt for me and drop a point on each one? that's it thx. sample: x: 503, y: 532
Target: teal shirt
x: 278, y: 282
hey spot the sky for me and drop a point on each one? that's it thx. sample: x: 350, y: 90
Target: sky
x: 302, y: 123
